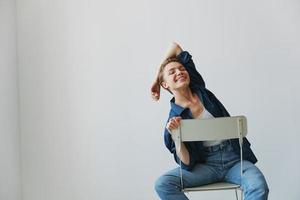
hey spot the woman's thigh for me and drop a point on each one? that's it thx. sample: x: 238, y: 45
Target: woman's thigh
x: 252, y: 178
x: 200, y: 175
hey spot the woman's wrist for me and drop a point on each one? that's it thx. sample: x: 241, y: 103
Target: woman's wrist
x: 173, y: 51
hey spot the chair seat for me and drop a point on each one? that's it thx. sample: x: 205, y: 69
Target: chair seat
x: 213, y: 186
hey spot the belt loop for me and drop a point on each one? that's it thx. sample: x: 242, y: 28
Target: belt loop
x: 222, y: 145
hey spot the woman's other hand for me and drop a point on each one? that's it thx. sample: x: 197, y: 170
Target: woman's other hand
x: 155, y: 90
x: 173, y: 124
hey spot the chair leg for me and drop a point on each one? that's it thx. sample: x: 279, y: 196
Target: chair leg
x: 242, y: 196
x: 188, y: 195
x: 236, y: 195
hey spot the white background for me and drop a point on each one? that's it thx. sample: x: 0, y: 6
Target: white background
x: 10, y: 183
x: 88, y: 127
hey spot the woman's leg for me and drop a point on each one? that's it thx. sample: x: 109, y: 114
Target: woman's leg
x: 253, y: 181
x: 168, y: 186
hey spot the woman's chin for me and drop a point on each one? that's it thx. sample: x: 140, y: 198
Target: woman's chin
x: 182, y: 85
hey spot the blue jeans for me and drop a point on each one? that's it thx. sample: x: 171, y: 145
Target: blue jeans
x: 221, y: 164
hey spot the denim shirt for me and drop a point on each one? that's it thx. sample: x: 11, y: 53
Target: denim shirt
x: 212, y: 104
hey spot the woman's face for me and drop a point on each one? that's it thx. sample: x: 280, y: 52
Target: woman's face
x: 175, y: 77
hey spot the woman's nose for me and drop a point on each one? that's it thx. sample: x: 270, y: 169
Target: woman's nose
x: 178, y: 72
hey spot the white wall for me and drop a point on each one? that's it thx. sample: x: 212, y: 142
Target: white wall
x: 10, y: 188
x: 89, y: 128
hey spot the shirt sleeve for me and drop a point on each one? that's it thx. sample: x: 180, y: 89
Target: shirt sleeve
x: 187, y: 61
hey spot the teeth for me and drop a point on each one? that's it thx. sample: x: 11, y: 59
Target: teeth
x: 180, y: 78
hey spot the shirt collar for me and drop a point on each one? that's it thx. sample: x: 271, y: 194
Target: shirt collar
x: 176, y: 108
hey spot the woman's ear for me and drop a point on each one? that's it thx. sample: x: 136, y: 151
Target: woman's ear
x: 164, y: 85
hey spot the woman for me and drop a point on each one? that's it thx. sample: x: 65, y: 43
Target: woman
x: 202, y: 162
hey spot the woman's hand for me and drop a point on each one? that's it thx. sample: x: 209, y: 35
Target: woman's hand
x: 155, y: 90
x: 173, y: 123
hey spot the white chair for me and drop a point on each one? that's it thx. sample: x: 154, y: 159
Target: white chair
x: 212, y: 129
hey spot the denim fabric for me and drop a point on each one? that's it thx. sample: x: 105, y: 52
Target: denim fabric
x: 221, y: 163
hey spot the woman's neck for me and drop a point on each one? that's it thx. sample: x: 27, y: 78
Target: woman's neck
x: 184, y: 97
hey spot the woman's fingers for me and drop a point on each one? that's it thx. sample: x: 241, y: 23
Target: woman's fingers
x: 177, y: 121
x: 155, y: 91
x: 155, y: 96
x: 174, y: 123
x: 171, y: 125
x: 155, y: 87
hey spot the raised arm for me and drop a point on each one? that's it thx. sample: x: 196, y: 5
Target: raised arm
x: 173, y: 51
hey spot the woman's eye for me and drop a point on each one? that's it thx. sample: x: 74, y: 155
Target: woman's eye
x: 171, y: 72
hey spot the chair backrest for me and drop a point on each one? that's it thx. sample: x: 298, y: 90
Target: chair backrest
x: 211, y: 129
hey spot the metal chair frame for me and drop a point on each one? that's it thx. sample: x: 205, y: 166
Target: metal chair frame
x: 212, y: 129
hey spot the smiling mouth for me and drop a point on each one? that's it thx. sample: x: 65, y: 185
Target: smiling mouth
x: 181, y: 78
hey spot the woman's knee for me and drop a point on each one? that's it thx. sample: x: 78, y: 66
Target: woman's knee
x: 167, y: 183
x: 261, y: 187
x: 258, y: 186
x: 254, y: 180
x: 259, y: 192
